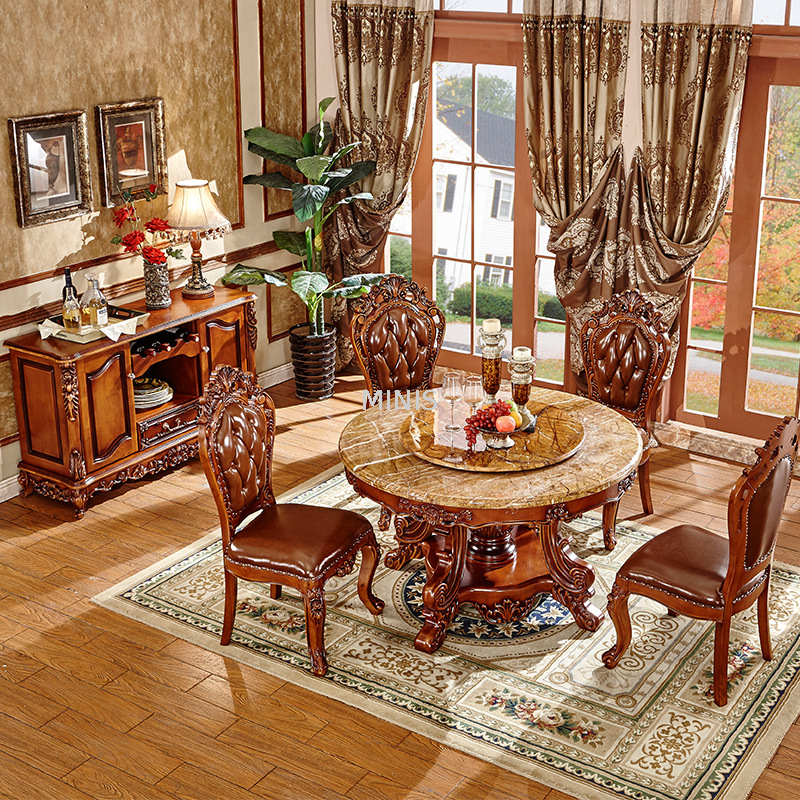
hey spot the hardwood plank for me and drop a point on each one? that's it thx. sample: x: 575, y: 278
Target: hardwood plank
x: 259, y: 708
x: 21, y: 703
x: 64, y: 657
x: 153, y: 696
x: 500, y: 787
x: 37, y: 748
x: 38, y: 785
x: 775, y: 785
x: 377, y: 787
x: 283, y: 751
x: 385, y: 760
x: 191, y: 783
x: 205, y: 752
x: 293, y: 786
x: 128, y: 655
x: 16, y: 667
x: 95, y: 702
x: 126, y: 753
x: 57, y: 624
x: 104, y: 782
x: 118, y: 624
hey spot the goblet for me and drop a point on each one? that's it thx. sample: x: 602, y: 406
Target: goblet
x: 473, y: 393
x: 451, y: 390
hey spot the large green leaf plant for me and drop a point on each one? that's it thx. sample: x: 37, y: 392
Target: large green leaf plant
x: 312, y: 202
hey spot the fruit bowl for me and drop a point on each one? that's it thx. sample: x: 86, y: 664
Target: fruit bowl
x: 499, y: 440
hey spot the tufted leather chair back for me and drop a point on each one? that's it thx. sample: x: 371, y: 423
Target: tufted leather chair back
x: 237, y: 427
x: 397, y: 334
x: 756, y: 504
x: 625, y: 348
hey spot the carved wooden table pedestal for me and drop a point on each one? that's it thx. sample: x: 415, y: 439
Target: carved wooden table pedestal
x: 490, y: 539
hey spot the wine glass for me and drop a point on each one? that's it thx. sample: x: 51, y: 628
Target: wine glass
x: 451, y: 390
x: 473, y: 392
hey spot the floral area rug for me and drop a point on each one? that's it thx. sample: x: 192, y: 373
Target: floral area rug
x: 531, y: 696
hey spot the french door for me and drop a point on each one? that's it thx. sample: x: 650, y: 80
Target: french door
x: 738, y: 369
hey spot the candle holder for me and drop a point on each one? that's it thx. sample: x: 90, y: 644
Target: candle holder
x: 491, y: 344
x: 522, y: 368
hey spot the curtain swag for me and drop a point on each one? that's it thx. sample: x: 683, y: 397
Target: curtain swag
x: 643, y: 230
x: 382, y: 50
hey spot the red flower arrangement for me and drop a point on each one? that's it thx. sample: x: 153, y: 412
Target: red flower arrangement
x: 138, y: 241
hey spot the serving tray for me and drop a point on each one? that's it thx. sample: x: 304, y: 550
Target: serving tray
x: 556, y: 436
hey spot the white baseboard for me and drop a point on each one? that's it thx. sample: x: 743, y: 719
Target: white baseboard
x: 276, y: 375
x: 9, y: 488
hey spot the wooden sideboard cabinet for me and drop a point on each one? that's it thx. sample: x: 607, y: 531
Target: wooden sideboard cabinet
x: 79, y: 430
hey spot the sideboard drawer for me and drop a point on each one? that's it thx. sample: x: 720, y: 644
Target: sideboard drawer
x: 174, y: 421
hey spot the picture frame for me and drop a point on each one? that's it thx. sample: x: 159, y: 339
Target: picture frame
x: 50, y: 165
x: 132, y: 150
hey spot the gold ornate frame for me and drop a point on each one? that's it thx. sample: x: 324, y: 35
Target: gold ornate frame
x: 65, y: 168
x: 148, y: 116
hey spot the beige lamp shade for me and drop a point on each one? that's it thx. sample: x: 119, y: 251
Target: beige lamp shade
x: 194, y: 209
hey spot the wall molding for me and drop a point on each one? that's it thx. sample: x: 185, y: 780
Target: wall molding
x: 9, y: 488
x: 276, y: 375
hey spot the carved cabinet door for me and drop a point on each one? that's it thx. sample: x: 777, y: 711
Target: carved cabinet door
x: 224, y: 340
x: 108, y: 418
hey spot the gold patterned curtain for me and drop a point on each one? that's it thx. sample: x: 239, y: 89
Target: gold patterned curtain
x: 694, y: 58
x: 575, y: 60
x: 383, y: 56
x: 644, y: 230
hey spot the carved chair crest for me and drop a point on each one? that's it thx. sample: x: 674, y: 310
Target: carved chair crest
x: 237, y: 427
x: 397, y: 333
x: 625, y: 347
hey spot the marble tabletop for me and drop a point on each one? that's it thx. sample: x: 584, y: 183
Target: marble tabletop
x: 371, y: 448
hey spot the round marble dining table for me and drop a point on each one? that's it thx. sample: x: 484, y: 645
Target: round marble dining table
x: 493, y: 539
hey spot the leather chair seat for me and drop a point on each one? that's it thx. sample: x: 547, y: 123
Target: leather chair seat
x: 304, y: 541
x: 686, y: 562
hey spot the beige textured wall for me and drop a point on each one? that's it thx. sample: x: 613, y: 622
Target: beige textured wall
x: 282, y: 47
x: 60, y: 55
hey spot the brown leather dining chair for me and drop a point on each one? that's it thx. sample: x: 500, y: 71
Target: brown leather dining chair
x: 396, y: 335
x: 698, y: 573
x: 625, y: 348
x: 283, y: 544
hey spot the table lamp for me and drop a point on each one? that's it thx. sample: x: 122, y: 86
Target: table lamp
x: 192, y: 215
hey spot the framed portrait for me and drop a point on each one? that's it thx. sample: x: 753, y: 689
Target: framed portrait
x: 50, y: 162
x: 132, y: 150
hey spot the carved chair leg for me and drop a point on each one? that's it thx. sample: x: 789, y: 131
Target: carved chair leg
x: 618, y: 610
x: 314, y: 601
x: 230, y: 607
x: 763, y: 621
x: 370, y: 556
x: 644, y: 487
x: 609, y: 524
x: 672, y: 612
x: 722, y: 637
x: 275, y: 591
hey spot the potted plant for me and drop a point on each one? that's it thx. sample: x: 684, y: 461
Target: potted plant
x: 313, y: 343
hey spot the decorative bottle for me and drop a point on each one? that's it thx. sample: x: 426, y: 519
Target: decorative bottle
x: 70, y: 307
x: 94, y: 306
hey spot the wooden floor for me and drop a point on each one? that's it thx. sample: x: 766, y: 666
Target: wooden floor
x: 93, y: 705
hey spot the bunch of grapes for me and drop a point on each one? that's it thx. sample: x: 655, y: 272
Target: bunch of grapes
x: 484, y: 418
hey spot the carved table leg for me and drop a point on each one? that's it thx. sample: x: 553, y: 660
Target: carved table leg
x: 440, y: 595
x: 384, y: 519
x: 409, y: 533
x: 572, y: 577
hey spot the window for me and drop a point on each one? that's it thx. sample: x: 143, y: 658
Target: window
x: 738, y: 369
x: 503, y: 200
x: 468, y: 193
x: 445, y: 192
